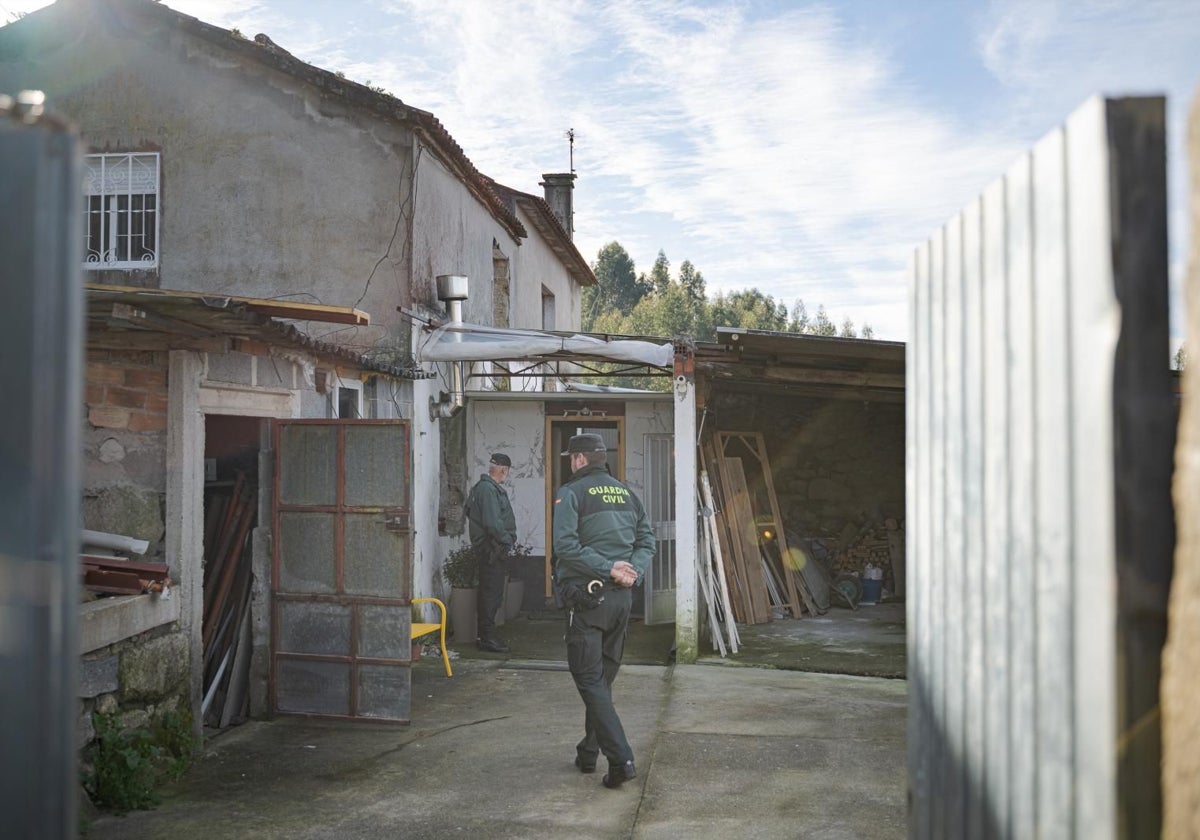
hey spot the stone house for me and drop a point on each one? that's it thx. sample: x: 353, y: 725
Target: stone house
x: 228, y: 171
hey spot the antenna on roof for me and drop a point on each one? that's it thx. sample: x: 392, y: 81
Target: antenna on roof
x: 570, y: 135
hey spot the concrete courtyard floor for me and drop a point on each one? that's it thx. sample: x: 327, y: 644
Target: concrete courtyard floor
x: 722, y: 751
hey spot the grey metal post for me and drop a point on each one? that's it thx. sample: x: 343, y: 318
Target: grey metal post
x: 41, y: 341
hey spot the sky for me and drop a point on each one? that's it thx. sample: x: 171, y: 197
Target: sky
x: 802, y: 148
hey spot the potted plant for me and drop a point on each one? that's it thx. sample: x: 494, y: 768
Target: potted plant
x: 514, y: 592
x: 461, y: 570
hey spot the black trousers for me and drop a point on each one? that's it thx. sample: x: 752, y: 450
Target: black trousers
x: 491, y: 593
x: 595, y: 645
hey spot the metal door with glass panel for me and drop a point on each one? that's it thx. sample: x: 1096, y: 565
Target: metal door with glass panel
x: 341, y: 570
x: 660, y: 510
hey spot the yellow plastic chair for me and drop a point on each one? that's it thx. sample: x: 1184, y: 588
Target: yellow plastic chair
x: 424, y: 628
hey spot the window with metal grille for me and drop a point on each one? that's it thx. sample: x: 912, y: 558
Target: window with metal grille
x: 121, y: 210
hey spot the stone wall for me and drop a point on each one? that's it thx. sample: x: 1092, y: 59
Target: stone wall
x: 140, y: 679
x: 1181, y: 658
x: 124, y: 442
x: 838, y: 467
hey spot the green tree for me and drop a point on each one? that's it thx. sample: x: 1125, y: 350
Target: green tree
x: 660, y: 274
x: 822, y: 325
x: 848, y: 329
x: 692, y: 281
x: 1181, y: 357
x: 799, y: 322
x: 867, y: 332
x: 618, y: 285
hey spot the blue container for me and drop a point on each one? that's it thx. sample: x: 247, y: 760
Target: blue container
x: 871, y: 591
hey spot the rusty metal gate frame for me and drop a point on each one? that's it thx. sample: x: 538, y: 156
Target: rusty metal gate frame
x: 398, y: 519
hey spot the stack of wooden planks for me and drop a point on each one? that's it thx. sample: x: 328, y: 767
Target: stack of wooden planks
x: 742, y: 521
x: 227, y: 581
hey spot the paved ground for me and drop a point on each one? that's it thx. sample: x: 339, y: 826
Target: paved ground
x: 750, y: 746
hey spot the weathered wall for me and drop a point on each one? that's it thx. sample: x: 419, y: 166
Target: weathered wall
x: 533, y: 266
x: 124, y: 442
x: 267, y: 187
x: 834, y: 461
x: 643, y: 419
x: 1181, y: 658
x: 519, y: 430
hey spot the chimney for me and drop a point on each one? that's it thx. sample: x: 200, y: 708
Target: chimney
x: 559, y: 188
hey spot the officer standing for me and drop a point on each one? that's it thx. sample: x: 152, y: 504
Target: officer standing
x: 493, y: 532
x: 602, y: 547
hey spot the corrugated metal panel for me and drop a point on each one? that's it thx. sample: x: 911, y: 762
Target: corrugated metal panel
x: 1022, y: 318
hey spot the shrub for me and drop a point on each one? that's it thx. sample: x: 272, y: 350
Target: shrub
x: 128, y: 766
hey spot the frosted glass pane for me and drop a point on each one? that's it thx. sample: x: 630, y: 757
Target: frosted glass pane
x: 376, y: 559
x: 306, y: 552
x: 375, y: 461
x: 307, y: 627
x: 320, y: 688
x: 385, y: 691
x: 383, y: 632
x: 308, y: 465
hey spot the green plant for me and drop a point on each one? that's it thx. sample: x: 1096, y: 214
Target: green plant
x: 172, y: 733
x: 461, y: 568
x: 128, y: 766
x: 123, y: 776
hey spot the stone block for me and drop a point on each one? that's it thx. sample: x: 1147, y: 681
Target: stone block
x: 108, y: 417
x: 106, y: 704
x: 85, y: 728
x: 98, y: 676
x: 237, y: 368
x: 125, y: 510
x: 155, y: 669
x: 135, y: 719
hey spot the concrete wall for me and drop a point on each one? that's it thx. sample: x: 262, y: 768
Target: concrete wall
x: 267, y: 188
x: 533, y: 266
x: 1181, y: 658
x: 518, y: 428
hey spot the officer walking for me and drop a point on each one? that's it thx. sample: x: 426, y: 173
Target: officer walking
x: 493, y: 531
x: 602, y: 546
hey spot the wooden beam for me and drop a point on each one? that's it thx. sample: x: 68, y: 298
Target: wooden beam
x: 814, y: 376
x: 272, y: 308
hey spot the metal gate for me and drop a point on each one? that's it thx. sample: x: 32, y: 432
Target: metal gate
x: 1040, y: 436
x: 342, y: 569
x: 660, y: 510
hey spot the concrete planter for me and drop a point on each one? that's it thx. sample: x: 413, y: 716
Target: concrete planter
x: 462, y: 615
x: 514, y: 595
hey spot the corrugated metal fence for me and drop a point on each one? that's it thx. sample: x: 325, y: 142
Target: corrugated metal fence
x: 1040, y: 431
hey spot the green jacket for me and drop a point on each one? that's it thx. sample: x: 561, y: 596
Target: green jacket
x: 598, y: 521
x: 491, y: 515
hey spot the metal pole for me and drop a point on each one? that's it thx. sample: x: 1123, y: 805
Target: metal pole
x: 41, y: 341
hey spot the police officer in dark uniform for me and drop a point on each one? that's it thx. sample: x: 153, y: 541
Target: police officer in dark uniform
x: 602, y: 547
x: 493, y: 531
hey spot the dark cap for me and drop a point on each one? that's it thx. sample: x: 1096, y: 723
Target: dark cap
x: 501, y: 460
x: 585, y: 443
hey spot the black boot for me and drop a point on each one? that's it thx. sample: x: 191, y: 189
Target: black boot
x: 493, y: 644
x: 618, y: 774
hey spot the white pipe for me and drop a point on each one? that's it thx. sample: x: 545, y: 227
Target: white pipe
x: 117, y: 542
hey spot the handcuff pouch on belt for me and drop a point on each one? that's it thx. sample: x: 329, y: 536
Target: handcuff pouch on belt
x: 576, y: 597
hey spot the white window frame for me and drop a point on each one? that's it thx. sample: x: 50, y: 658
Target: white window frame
x: 355, y: 385
x: 549, y: 315
x: 111, y: 231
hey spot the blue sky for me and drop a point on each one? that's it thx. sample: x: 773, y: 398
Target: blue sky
x: 803, y: 148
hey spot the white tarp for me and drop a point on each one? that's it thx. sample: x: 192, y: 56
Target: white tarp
x: 475, y: 343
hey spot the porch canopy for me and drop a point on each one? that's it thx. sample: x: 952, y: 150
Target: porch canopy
x: 459, y: 342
